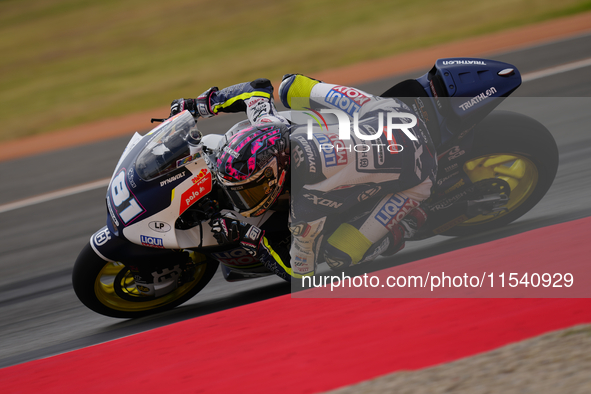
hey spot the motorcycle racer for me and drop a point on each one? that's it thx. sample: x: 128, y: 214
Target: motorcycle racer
x: 349, y: 203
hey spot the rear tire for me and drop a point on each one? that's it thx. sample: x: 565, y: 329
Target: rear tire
x: 527, y: 157
x: 95, y: 281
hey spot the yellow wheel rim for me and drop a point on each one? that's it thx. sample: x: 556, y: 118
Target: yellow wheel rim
x: 104, y: 288
x: 518, y: 171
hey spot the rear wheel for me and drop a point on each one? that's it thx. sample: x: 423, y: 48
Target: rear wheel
x: 518, y: 150
x: 109, y: 288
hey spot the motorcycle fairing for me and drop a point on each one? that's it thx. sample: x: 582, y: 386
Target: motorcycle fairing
x: 120, y: 249
x: 159, y: 177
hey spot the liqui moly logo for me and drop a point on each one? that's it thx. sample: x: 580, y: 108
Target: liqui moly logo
x: 152, y: 242
x: 394, y: 210
x: 236, y: 257
x: 350, y: 100
x: 333, y: 149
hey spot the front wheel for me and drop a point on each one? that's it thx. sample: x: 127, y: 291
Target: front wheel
x: 520, y: 151
x: 109, y: 288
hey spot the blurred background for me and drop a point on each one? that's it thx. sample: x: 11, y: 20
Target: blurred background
x: 66, y: 63
x: 69, y: 62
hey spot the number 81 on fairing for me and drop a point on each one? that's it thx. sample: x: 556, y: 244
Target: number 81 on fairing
x: 126, y: 205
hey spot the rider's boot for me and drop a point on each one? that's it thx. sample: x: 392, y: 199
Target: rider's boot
x: 413, y: 221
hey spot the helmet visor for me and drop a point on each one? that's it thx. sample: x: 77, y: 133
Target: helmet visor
x: 251, y: 194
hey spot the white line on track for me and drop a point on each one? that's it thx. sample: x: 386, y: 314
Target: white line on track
x: 547, y: 72
x: 54, y: 195
x: 556, y: 70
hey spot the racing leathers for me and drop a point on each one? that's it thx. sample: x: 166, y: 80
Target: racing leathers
x: 351, y: 190
x: 349, y: 196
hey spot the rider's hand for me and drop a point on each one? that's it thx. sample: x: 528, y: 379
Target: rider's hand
x: 227, y: 230
x: 204, y: 103
x: 178, y: 106
x: 199, y: 107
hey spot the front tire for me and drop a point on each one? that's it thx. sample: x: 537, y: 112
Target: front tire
x: 100, y: 284
x: 519, y: 150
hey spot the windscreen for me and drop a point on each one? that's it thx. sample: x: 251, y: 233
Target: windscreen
x: 173, y: 146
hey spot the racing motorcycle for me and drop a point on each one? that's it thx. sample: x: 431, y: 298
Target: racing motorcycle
x: 157, y: 249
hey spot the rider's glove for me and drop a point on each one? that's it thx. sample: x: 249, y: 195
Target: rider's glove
x: 227, y: 230
x: 204, y: 103
x: 178, y: 106
x: 199, y: 107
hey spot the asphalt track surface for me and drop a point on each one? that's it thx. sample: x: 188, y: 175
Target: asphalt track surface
x: 41, y: 316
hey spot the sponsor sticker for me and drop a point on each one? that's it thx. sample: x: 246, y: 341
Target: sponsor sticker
x: 301, y: 261
x: 112, y: 212
x: 443, y: 204
x: 253, y: 233
x: 102, y: 237
x: 451, y: 168
x: 173, y: 178
x: 300, y: 229
x: 450, y: 224
x: 459, y: 184
x: 236, y: 257
x: 442, y: 180
x: 159, y: 227
x: 322, y: 201
x: 348, y: 99
x: 333, y: 149
x: 187, y: 159
x: 463, y: 62
x: 394, y: 210
x: 308, y: 152
x: 368, y: 193
x: 231, y: 152
x: 477, y: 99
x: 130, y: 175
x: 152, y: 242
x: 201, y: 186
